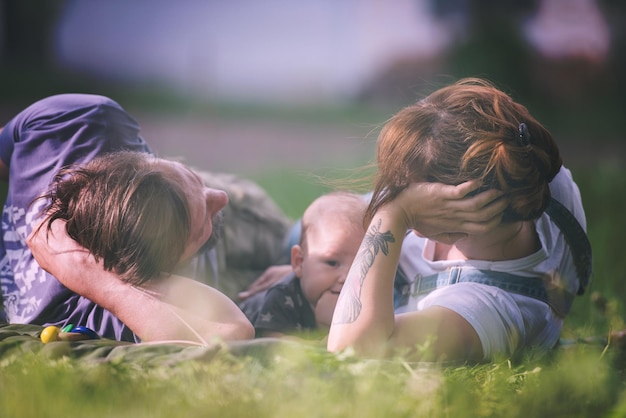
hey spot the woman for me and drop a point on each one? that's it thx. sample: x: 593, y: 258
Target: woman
x: 469, y: 131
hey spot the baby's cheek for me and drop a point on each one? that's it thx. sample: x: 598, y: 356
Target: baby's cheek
x: 325, y: 308
x: 315, y: 289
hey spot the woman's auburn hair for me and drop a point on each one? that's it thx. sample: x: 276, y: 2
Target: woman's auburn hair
x: 469, y: 130
x: 124, y: 210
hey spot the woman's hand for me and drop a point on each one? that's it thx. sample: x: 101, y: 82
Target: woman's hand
x: 439, y: 211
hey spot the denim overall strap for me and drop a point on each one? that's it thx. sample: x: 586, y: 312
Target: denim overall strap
x: 527, y: 286
x: 401, y: 289
x: 576, y: 239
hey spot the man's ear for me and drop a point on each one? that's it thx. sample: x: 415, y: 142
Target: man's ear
x: 297, y: 256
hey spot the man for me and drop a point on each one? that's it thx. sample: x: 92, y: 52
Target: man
x: 75, y: 129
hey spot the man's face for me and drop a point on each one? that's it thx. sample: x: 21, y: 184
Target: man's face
x: 218, y: 229
x: 205, y: 205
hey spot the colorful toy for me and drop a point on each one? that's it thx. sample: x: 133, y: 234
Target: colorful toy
x: 49, y: 334
x: 86, y: 331
x: 69, y: 332
x: 68, y: 328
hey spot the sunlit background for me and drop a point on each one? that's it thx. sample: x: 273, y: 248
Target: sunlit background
x: 245, y: 85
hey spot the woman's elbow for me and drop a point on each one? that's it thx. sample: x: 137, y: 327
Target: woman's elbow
x: 362, y: 344
x: 338, y: 339
x: 364, y: 349
x: 342, y: 342
x: 335, y: 346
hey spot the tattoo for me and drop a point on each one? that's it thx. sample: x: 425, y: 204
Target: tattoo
x: 349, y: 303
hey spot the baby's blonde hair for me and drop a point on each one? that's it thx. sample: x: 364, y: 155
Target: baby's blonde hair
x: 347, y: 206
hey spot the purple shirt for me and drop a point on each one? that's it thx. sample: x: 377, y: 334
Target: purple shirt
x: 50, y: 134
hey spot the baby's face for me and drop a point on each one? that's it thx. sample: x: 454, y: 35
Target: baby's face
x: 322, y: 264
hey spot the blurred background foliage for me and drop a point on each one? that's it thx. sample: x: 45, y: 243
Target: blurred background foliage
x: 565, y: 59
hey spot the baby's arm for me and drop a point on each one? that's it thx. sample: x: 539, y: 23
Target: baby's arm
x: 324, y: 309
x: 166, y: 308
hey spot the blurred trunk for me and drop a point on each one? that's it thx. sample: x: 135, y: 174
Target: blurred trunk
x: 27, y: 27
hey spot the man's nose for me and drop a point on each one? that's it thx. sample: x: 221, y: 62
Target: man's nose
x: 216, y: 199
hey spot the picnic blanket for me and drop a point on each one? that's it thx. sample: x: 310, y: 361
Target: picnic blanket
x: 18, y: 339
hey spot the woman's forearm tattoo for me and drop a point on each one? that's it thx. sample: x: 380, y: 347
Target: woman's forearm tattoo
x: 349, y: 303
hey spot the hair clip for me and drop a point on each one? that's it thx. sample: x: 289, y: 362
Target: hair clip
x: 524, y: 135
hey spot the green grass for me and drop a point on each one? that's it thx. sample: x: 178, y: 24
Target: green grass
x: 575, y: 382
x: 295, y: 190
x: 292, y: 193
x: 578, y: 380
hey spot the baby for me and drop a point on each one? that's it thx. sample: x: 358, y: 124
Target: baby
x: 303, y: 302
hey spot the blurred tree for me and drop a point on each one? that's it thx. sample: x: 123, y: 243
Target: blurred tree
x: 615, y: 12
x: 490, y: 44
x: 27, y: 27
x: 486, y: 42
